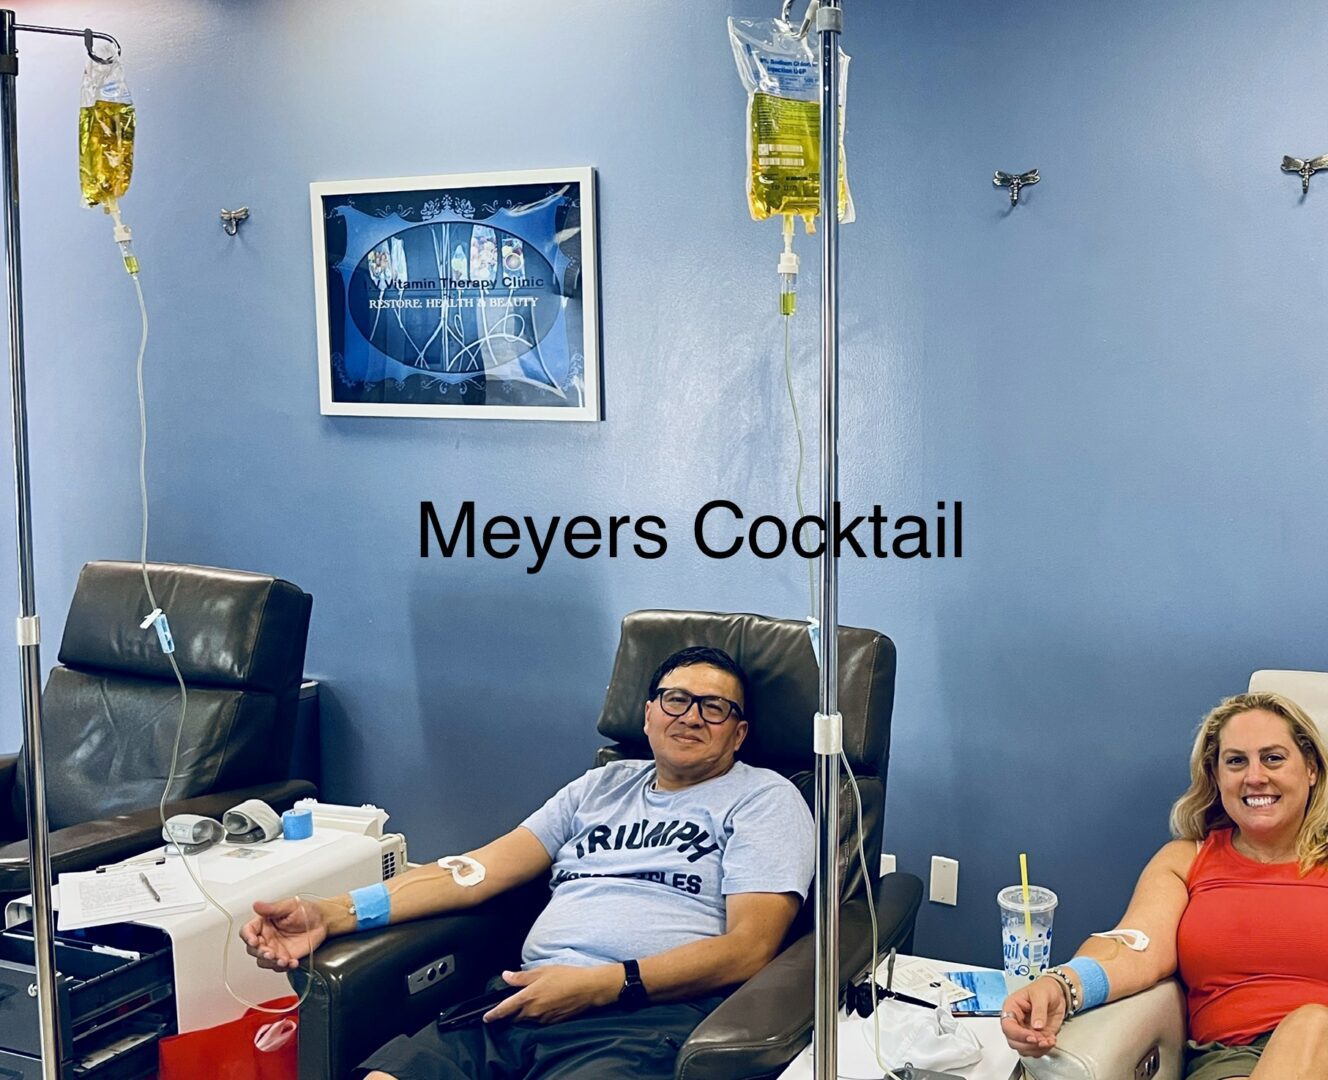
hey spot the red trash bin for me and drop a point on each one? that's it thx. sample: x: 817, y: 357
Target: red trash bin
x: 257, y: 1046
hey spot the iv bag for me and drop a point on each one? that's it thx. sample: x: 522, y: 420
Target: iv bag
x: 105, y: 133
x: 782, y: 77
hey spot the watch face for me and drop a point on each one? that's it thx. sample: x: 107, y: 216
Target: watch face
x: 633, y: 992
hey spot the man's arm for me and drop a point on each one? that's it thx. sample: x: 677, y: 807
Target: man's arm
x: 511, y: 860
x: 755, y: 926
x: 282, y: 933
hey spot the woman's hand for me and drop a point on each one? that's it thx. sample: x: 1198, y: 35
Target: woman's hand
x: 1031, y: 1017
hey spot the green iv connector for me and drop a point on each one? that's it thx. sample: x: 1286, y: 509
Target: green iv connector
x: 124, y: 239
x: 788, y: 272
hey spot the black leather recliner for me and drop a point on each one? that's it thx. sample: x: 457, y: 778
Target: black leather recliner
x: 359, y: 998
x: 111, y: 710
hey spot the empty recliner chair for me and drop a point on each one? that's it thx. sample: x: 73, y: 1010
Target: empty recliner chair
x: 111, y: 710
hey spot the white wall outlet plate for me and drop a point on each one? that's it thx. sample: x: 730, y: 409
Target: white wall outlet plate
x: 944, y: 880
x: 887, y: 865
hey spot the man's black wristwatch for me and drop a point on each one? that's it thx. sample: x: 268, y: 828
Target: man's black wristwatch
x: 633, y: 992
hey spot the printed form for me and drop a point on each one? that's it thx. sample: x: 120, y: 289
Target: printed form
x: 126, y: 891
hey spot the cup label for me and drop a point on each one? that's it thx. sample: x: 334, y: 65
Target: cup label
x: 1024, y: 957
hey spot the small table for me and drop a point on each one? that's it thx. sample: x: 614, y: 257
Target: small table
x: 327, y: 863
x: 999, y: 1061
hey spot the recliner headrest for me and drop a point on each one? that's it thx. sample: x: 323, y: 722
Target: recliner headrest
x: 783, y: 682
x: 231, y: 628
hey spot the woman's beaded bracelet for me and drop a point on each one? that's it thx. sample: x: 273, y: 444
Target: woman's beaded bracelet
x: 1071, y: 991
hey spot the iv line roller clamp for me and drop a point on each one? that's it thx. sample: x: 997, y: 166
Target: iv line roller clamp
x: 28, y: 625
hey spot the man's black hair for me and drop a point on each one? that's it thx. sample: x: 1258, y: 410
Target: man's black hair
x: 700, y: 654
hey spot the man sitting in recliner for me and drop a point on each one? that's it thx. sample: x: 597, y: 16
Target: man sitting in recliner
x: 672, y: 882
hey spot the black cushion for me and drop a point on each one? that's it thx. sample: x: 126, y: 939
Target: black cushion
x: 231, y: 628
x: 110, y: 715
x: 783, y: 684
x: 113, y: 739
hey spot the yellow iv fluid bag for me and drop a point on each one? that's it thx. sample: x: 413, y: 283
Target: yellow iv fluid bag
x: 105, y: 134
x: 782, y: 77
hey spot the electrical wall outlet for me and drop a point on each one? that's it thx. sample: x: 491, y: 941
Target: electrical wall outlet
x: 944, y: 880
x: 887, y: 865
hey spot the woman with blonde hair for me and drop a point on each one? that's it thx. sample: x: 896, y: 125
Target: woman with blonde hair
x: 1236, y: 905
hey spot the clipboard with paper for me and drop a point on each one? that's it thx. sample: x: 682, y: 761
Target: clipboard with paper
x: 126, y: 891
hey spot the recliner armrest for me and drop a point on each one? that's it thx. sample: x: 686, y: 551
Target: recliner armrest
x: 96, y: 843
x: 359, y: 998
x: 767, y: 1021
x: 1109, y: 1042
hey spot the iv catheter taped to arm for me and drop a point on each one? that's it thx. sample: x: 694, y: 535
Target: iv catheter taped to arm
x: 371, y: 905
x: 105, y: 134
x: 466, y: 871
x: 1136, y: 940
x: 782, y: 76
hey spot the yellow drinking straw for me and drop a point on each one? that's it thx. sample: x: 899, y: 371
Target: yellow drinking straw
x: 1023, y: 878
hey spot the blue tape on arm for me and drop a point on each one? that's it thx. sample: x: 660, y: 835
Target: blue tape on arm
x: 373, y: 907
x: 1093, y: 978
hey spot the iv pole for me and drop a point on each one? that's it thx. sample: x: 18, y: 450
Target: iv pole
x: 28, y: 624
x: 829, y: 724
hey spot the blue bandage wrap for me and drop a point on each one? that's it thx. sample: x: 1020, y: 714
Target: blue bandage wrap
x: 1093, y: 978
x: 297, y: 824
x: 373, y: 907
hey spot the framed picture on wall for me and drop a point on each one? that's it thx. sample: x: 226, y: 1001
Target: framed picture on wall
x: 473, y: 296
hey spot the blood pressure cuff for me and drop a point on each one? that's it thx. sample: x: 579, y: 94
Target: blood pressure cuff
x: 252, y: 822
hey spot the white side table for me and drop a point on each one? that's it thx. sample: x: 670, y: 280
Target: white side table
x: 999, y: 1061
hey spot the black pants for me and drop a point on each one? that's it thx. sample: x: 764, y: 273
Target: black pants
x: 608, y: 1042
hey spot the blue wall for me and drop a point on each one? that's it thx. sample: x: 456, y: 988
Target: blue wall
x: 1123, y: 380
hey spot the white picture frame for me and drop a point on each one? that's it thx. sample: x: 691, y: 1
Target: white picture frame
x: 463, y: 296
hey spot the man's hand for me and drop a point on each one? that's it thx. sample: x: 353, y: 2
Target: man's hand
x: 557, y: 992
x: 281, y: 934
x: 1031, y: 1017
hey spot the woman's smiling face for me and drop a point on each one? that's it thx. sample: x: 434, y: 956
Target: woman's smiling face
x: 1263, y: 777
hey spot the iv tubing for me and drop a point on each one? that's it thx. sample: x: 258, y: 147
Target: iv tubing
x: 170, y: 656
x: 797, y: 481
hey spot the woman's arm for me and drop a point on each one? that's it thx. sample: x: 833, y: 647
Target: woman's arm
x: 1035, y: 1013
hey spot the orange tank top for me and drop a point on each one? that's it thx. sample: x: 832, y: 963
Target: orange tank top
x: 1252, y: 944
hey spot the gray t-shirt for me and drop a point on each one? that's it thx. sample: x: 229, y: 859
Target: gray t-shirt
x: 637, y: 871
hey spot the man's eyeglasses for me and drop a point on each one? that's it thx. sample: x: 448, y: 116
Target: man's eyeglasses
x: 711, y: 708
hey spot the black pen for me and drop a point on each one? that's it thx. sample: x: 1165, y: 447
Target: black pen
x: 144, y: 879
x: 890, y: 982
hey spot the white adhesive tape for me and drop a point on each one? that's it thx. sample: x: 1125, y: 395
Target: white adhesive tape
x: 1131, y: 939
x: 466, y: 871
